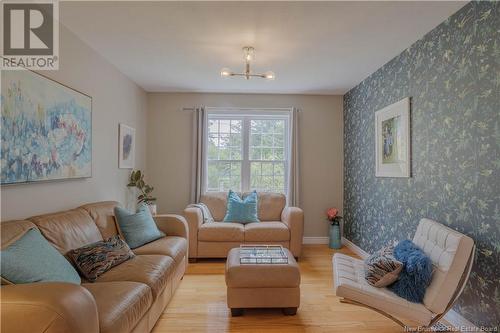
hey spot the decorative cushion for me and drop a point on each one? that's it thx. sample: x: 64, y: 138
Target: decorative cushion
x: 241, y: 211
x: 416, y: 274
x: 31, y: 259
x: 137, y: 228
x: 381, y: 268
x: 95, y: 259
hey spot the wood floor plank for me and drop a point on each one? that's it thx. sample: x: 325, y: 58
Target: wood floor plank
x: 199, y: 304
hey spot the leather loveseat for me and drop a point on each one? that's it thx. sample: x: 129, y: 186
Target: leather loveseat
x: 128, y: 298
x: 279, y: 224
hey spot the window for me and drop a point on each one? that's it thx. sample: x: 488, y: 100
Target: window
x: 247, y: 152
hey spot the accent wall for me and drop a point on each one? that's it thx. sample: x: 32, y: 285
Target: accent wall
x: 452, y: 75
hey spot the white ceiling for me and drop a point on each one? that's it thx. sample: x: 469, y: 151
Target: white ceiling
x: 313, y: 47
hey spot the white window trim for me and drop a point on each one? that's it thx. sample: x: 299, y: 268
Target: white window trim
x: 245, y: 114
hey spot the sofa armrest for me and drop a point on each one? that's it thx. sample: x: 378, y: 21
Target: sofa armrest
x: 293, y: 217
x: 48, y: 307
x: 172, y: 225
x: 194, y: 219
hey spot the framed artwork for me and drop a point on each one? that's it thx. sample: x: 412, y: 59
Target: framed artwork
x: 392, y: 140
x: 46, y: 129
x: 126, y: 149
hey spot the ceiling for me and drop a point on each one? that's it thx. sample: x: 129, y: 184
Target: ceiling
x: 313, y: 47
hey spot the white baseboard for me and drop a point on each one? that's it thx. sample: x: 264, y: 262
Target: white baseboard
x: 315, y: 240
x: 354, y: 248
x: 452, y: 317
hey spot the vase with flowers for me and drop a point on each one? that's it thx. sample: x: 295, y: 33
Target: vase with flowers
x: 332, y: 214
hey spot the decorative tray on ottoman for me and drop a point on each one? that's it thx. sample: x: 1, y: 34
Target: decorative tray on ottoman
x: 262, y: 254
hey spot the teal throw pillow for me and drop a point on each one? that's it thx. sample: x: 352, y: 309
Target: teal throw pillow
x: 241, y: 211
x: 32, y: 259
x: 137, y: 228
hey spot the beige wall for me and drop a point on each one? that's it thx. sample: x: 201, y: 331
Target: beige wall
x: 169, y: 141
x: 115, y: 99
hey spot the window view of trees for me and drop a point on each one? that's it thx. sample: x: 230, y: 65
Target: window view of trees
x: 260, y: 165
x: 267, y: 155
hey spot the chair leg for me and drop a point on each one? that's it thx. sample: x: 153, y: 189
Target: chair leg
x: 348, y: 301
x: 236, y: 312
x: 289, y: 311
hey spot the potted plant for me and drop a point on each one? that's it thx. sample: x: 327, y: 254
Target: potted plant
x: 332, y: 214
x: 137, y: 180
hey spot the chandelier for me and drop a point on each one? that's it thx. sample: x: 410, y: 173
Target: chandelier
x: 248, y: 55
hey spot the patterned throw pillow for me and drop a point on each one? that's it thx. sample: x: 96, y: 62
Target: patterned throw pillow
x: 381, y: 268
x: 97, y: 258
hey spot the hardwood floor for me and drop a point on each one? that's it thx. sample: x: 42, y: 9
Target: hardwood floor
x: 199, y: 304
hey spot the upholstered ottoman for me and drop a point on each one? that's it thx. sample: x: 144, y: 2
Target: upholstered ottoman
x: 262, y: 285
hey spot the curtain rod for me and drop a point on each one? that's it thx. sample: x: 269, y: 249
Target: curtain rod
x: 242, y: 109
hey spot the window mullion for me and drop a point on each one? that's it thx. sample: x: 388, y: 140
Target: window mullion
x: 245, y: 172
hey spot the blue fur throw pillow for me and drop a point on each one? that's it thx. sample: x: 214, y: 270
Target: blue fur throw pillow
x: 416, y: 274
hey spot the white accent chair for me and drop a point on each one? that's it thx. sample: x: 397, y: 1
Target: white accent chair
x: 452, y: 255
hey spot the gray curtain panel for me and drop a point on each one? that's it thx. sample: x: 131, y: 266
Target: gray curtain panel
x: 200, y: 121
x: 293, y: 197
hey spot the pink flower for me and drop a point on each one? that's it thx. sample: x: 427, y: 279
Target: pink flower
x: 332, y: 213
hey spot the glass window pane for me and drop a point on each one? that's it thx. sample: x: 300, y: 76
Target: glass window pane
x: 278, y: 140
x: 224, y: 126
x: 255, y: 153
x: 224, y: 154
x: 279, y: 126
x: 267, y: 154
x: 279, y: 169
x: 223, y: 140
x: 279, y: 154
x: 267, y: 140
x: 212, y: 147
x: 213, y: 126
x: 267, y: 169
x: 235, y: 126
x: 255, y: 140
x: 223, y: 176
x: 234, y: 140
x: 255, y: 168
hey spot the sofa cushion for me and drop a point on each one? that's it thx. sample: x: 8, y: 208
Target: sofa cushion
x: 266, y: 231
x: 152, y: 270
x: 221, y: 232
x: 103, y: 216
x: 270, y: 205
x: 172, y: 246
x: 120, y: 304
x: 10, y: 231
x: 217, y: 203
x: 68, y: 230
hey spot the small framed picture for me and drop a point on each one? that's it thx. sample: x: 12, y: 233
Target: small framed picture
x: 392, y: 139
x: 126, y: 149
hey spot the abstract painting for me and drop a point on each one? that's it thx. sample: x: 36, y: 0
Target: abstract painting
x: 46, y: 129
x: 392, y: 137
x: 126, y: 155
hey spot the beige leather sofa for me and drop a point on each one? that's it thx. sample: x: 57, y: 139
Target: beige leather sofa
x: 279, y: 225
x: 128, y: 298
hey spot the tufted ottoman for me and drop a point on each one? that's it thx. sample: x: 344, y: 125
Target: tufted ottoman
x: 262, y: 285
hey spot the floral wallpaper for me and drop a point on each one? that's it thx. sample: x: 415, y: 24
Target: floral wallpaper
x: 452, y: 75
